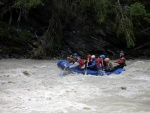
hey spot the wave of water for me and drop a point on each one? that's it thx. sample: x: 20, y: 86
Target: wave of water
x: 33, y: 86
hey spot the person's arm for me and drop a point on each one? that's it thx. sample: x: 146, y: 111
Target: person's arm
x: 93, y: 64
x: 121, y: 61
x: 116, y: 61
x: 74, y: 65
x: 111, y: 65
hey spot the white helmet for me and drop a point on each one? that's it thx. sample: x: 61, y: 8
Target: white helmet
x: 93, y: 56
x: 106, y: 60
x: 78, y: 58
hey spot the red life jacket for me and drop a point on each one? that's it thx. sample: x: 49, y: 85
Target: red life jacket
x: 81, y: 62
x: 89, y: 58
x: 121, y: 61
x: 98, y: 61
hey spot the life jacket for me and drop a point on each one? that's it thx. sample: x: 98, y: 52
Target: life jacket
x: 98, y: 62
x: 121, y: 61
x: 104, y: 65
x: 89, y: 59
x: 81, y: 62
x: 93, y: 65
x: 109, y: 66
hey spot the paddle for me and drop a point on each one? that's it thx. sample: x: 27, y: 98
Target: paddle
x: 62, y: 73
x: 85, y: 73
x: 102, y: 66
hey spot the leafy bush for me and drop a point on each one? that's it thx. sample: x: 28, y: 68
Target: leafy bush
x: 28, y: 4
x: 24, y: 35
x: 137, y: 9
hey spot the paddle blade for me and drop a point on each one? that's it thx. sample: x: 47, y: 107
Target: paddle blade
x: 62, y: 73
x: 85, y: 73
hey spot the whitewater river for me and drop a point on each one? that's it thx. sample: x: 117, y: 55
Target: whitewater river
x: 33, y: 86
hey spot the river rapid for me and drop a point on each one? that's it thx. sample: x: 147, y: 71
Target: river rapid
x: 33, y: 86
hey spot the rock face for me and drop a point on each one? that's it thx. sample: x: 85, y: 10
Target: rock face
x: 83, y: 44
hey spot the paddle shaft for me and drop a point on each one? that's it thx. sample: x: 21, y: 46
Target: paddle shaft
x: 86, y: 66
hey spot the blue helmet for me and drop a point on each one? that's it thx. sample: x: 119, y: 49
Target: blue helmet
x: 75, y: 54
x: 103, y: 56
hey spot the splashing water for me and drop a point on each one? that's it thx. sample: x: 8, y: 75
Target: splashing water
x: 33, y: 86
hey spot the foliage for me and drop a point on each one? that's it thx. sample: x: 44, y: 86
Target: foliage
x: 130, y: 19
x: 124, y: 25
x: 27, y: 4
x: 147, y: 18
x: 24, y: 6
x: 24, y: 35
x: 137, y: 9
x: 62, y: 12
x: 12, y: 34
x: 3, y: 30
x: 141, y: 19
x: 102, y: 8
x: 125, y: 29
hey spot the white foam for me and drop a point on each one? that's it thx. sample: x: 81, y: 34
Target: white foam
x: 33, y: 86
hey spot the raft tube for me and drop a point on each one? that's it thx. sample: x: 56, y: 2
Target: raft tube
x: 61, y: 64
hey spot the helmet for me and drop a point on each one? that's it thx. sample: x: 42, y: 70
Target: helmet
x: 106, y: 60
x: 75, y: 54
x: 121, y: 54
x: 78, y: 58
x: 93, y: 56
x: 102, y: 56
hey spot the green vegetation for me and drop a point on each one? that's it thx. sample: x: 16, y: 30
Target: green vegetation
x: 27, y: 4
x: 3, y: 30
x: 141, y: 19
x: 128, y: 20
x: 24, y: 35
x: 124, y: 25
x: 24, y: 6
x: 126, y: 17
x: 13, y: 34
x: 137, y: 9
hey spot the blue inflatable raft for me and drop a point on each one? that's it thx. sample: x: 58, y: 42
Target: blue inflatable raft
x: 61, y: 64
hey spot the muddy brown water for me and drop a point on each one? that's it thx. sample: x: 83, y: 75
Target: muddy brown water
x: 33, y: 86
